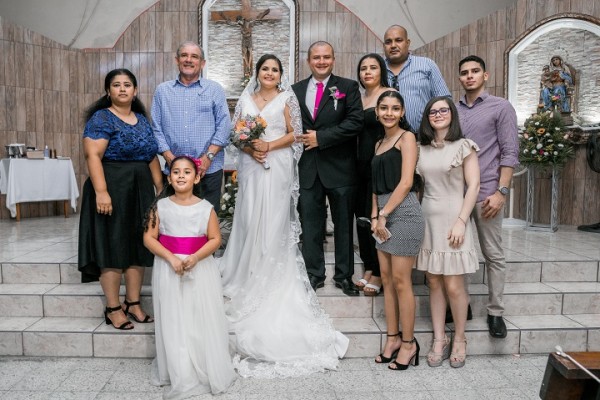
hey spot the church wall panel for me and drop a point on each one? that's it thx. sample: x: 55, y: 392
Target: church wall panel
x: 3, y: 123
x: 9, y: 64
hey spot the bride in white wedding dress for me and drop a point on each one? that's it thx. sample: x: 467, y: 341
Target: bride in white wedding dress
x: 280, y: 328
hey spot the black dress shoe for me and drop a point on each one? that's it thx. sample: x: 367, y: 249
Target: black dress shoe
x: 590, y: 228
x: 347, y: 287
x: 450, y: 319
x: 316, y: 282
x: 497, y: 326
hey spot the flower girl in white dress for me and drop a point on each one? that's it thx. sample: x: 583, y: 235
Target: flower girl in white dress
x: 182, y: 230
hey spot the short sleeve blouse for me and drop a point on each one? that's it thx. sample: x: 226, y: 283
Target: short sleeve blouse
x: 125, y: 142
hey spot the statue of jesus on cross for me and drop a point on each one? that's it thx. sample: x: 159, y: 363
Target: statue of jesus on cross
x: 246, y: 19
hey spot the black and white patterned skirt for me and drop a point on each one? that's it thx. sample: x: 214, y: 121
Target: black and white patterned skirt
x: 407, y: 225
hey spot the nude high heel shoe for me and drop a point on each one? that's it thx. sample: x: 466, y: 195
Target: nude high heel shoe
x: 436, y: 359
x: 457, y: 360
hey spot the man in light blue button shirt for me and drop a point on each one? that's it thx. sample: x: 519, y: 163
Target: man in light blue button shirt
x: 418, y: 79
x: 190, y: 117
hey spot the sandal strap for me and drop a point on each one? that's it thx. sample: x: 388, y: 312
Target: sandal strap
x: 413, y: 340
x: 129, y: 304
x: 395, y: 334
x: 110, y: 310
x: 459, y: 356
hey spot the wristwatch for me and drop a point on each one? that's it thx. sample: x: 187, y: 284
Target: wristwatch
x: 382, y: 214
x: 503, y: 190
x: 210, y: 155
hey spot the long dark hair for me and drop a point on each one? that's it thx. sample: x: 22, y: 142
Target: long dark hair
x: 427, y: 133
x: 383, y: 78
x: 150, y: 216
x: 104, y: 101
x: 261, y: 61
x: 403, y: 123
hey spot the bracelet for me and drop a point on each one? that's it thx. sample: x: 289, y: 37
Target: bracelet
x: 462, y: 220
x: 268, y: 147
x: 374, y: 217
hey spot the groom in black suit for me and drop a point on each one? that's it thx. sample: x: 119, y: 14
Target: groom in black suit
x: 332, y: 117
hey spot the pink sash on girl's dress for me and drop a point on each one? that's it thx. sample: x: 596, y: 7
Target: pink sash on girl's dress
x: 183, y: 245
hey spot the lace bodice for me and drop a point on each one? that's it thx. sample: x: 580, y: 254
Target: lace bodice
x: 272, y: 113
x: 276, y: 126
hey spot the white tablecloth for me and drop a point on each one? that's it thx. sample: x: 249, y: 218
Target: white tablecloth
x: 24, y: 180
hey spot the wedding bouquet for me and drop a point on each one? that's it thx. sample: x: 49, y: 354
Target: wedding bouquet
x: 246, y: 130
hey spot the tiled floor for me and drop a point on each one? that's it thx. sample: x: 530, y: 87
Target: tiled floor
x: 483, y: 377
x: 54, y: 240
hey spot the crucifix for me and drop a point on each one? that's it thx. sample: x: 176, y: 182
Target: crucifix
x: 245, y: 19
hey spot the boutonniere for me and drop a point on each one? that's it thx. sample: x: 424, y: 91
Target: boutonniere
x: 335, y: 93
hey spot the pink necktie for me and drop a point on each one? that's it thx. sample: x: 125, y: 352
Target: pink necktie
x: 318, y: 98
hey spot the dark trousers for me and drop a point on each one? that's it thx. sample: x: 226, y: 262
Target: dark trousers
x: 312, y: 212
x: 362, y: 208
x: 210, y: 188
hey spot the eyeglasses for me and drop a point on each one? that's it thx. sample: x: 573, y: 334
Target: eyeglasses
x: 442, y: 111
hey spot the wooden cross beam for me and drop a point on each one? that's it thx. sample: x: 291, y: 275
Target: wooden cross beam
x: 247, y: 12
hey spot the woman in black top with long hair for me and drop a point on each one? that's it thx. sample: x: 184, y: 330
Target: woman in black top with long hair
x: 372, y: 76
x: 398, y: 224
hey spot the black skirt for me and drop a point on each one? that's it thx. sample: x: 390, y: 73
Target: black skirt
x: 115, y: 241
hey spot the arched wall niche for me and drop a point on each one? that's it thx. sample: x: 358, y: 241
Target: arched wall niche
x: 573, y: 37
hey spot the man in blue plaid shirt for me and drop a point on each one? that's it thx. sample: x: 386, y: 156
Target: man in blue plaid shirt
x: 190, y: 117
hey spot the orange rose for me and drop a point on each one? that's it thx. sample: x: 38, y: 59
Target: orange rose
x: 240, y: 125
x: 541, y: 131
x: 261, y: 120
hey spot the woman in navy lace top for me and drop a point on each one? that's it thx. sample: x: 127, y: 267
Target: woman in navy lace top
x: 120, y: 151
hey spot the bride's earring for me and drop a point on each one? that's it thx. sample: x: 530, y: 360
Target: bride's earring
x: 279, y: 86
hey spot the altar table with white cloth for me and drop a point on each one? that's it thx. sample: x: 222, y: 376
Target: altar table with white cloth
x: 28, y: 180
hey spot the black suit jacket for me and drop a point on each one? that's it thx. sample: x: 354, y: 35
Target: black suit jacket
x: 334, y: 160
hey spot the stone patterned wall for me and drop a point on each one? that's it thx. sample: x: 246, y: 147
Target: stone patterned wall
x: 224, y: 49
x: 580, y: 49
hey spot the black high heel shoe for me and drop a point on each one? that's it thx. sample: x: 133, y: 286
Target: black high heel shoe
x: 414, y: 360
x: 148, y: 319
x: 125, y: 326
x: 384, y: 359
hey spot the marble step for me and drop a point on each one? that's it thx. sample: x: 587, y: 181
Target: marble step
x: 91, y: 337
x: 517, y: 272
x: 521, y: 299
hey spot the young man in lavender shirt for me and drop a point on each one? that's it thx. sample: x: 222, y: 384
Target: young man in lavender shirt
x: 491, y: 122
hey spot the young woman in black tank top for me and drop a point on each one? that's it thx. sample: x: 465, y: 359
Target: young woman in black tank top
x: 397, y: 222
